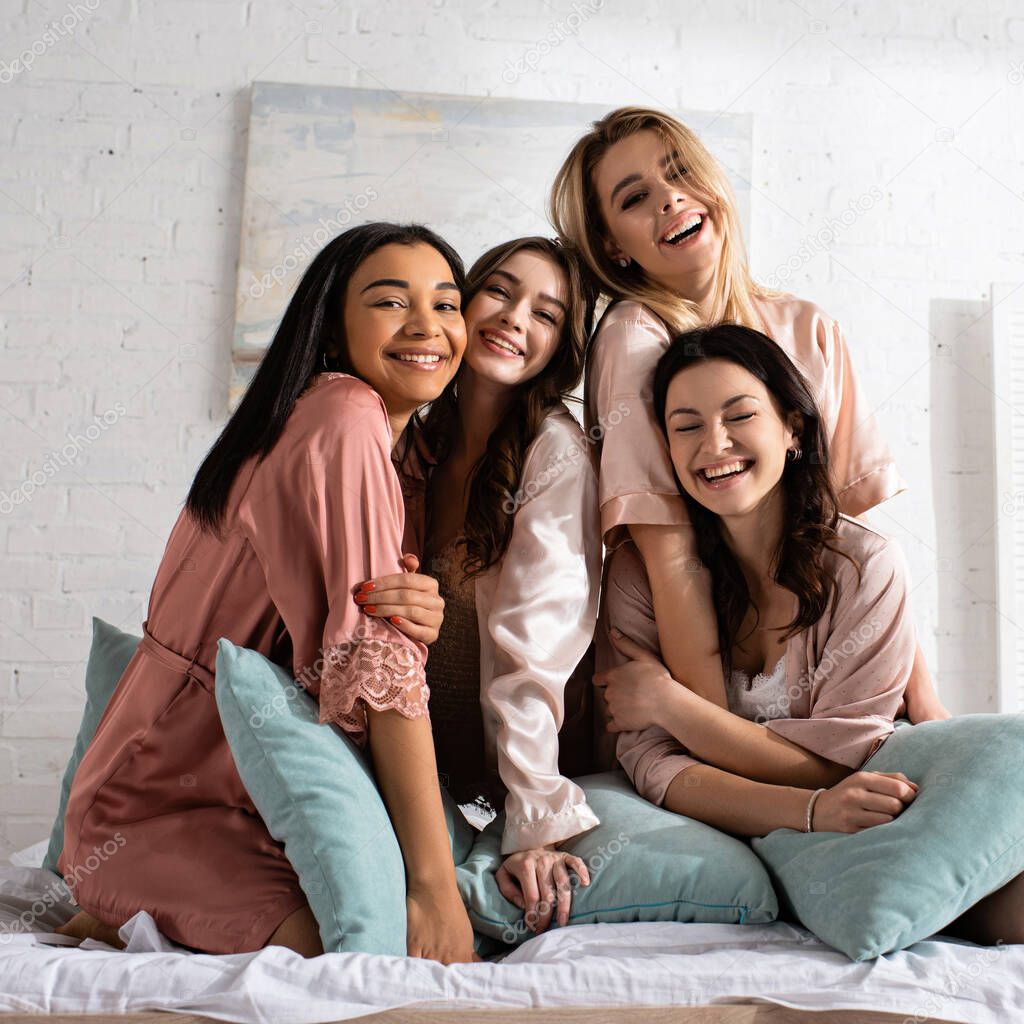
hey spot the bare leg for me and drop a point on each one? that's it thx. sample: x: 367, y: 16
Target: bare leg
x: 85, y: 926
x: 300, y: 932
x: 999, y: 917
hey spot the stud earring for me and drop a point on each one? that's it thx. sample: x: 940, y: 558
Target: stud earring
x: 622, y: 261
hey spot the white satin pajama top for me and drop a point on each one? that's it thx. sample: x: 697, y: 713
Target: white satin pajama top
x: 536, y: 613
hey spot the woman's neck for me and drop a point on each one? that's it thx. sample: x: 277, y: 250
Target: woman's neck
x: 399, y: 420
x: 754, y: 538
x: 698, y: 287
x: 482, y: 404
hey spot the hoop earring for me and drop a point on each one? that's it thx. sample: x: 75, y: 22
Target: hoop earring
x: 792, y: 454
x: 323, y: 362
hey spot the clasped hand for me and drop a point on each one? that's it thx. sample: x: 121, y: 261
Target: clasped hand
x: 638, y: 693
x: 537, y: 881
x: 408, y: 600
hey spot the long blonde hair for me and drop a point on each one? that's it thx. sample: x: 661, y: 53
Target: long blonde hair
x: 575, y: 211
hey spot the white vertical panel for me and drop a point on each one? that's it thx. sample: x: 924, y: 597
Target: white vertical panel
x: 1008, y: 385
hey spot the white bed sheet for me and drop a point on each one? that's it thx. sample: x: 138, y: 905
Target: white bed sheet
x: 585, y: 965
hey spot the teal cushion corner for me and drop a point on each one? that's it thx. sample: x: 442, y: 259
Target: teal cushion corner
x: 645, y: 863
x: 316, y: 793
x: 109, y: 654
x: 883, y: 889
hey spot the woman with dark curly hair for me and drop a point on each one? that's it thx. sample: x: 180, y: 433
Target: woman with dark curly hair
x: 514, y: 541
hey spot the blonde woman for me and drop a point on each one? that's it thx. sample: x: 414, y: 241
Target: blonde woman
x: 653, y: 214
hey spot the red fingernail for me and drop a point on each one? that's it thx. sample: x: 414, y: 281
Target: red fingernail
x: 396, y: 620
x: 361, y: 598
x: 367, y: 587
x: 371, y: 608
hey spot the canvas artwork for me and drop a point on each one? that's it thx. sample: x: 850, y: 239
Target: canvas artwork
x: 475, y: 169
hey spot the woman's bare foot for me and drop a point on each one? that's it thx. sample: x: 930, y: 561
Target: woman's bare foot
x: 85, y: 926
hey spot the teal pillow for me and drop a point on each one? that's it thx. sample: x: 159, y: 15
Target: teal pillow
x: 109, y: 655
x: 316, y: 792
x: 645, y: 863
x: 869, y: 893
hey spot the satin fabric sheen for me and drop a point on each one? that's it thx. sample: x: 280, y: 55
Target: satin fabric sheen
x: 322, y: 513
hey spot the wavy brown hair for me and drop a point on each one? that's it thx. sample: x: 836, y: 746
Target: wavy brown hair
x: 495, y: 478
x: 811, y: 506
x: 575, y: 210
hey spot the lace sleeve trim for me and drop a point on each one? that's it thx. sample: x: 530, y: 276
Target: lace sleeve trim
x: 380, y: 674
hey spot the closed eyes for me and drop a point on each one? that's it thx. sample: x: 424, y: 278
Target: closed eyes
x: 733, y: 419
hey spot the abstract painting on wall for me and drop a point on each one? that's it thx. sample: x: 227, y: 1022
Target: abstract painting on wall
x: 475, y: 169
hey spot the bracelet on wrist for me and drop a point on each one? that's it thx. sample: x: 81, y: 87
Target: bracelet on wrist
x: 809, y: 822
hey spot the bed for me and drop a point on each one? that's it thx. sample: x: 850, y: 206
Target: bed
x: 691, y: 973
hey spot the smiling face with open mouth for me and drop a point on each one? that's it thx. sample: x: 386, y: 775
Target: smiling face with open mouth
x: 727, y: 437
x: 655, y: 216
x: 515, y: 321
x: 404, y: 331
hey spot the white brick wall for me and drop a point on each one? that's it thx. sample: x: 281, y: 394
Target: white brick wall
x: 120, y: 191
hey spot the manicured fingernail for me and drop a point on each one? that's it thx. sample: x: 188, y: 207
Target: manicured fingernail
x: 396, y: 620
x: 367, y: 586
x: 371, y: 608
x: 361, y: 598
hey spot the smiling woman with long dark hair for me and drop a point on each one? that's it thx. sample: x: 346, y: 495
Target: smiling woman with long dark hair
x: 297, y: 502
x: 815, y: 633
x: 815, y: 630
x: 513, y: 539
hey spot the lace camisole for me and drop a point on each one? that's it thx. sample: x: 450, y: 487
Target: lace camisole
x: 761, y: 698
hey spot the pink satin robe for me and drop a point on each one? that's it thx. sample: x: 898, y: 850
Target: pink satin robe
x: 319, y: 515
x: 637, y: 485
x: 845, y: 676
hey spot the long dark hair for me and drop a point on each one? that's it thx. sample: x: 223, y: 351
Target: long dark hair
x: 495, y: 478
x: 311, y: 327
x: 811, y: 508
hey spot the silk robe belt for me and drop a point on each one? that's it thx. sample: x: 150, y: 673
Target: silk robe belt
x: 171, y: 659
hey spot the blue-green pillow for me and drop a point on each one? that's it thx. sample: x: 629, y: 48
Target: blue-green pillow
x: 316, y: 793
x: 109, y: 655
x: 645, y: 864
x: 872, y: 892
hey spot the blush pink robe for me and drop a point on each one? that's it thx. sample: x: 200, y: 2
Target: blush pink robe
x: 845, y: 675
x: 637, y: 485
x: 303, y: 528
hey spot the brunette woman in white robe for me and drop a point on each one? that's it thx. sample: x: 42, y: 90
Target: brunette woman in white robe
x: 513, y: 538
